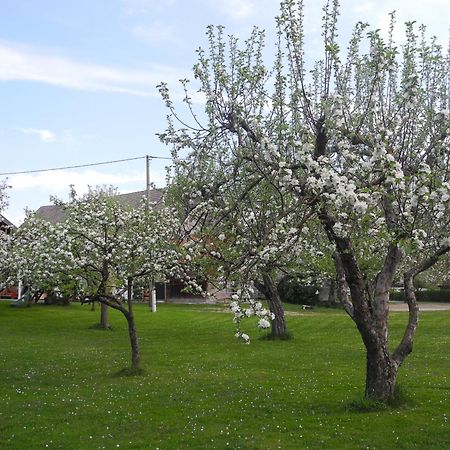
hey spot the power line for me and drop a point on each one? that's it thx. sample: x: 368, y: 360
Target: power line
x: 82, y: 165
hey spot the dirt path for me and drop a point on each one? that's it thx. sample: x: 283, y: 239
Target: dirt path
x: 393, y: 306
x: 400, y: 306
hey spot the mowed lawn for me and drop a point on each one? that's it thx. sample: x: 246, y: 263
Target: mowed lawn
x: 202, y: 389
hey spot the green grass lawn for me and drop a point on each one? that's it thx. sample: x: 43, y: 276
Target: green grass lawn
x: 202, y: 389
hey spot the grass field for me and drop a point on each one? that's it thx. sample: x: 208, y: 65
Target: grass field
x: 202, y: 389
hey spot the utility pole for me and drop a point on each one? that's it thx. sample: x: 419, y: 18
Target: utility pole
x: 147, y: 171
x: 152, y: 290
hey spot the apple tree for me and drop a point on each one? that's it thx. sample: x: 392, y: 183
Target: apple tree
x: 359, y: 140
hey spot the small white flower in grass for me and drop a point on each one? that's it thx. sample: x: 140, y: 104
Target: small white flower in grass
x: 221, y: 237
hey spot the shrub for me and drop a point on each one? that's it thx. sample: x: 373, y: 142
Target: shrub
x: 292, y: 291
x: 428, y: 295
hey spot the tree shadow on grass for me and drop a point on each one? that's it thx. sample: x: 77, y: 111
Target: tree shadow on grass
x: 100, y: 327
x: 130, y: 372
x: 270, y: 337
x: 402, y: 400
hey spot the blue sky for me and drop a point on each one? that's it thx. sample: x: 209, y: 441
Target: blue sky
x: 78, y: 77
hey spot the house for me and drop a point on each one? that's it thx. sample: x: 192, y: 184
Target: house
x: 172, y: 291
x: 54, y: 214
x: 6, y: 226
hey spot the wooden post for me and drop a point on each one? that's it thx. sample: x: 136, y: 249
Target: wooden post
x: 153, y: 299
x: 19, y: 288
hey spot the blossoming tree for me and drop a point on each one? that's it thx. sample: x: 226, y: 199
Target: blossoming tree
x: 245, y: 244
x: 99, y: 248
x: 360, y: 141
x: 3, y: 195
x: 3, y: 235
x: 39, y: 252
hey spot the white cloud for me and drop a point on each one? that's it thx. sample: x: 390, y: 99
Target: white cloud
x: 23, y: 63
x: 135, y: 7
x: 44, y: 135
x: 238, y: 9
x: 366, y: 6
x: 433, y: 13
x: 154, y: 33
x: 67, y: 136
x: 58, y: 181
x: 34, y: 190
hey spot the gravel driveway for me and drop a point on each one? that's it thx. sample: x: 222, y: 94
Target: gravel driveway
x: 400, y: 306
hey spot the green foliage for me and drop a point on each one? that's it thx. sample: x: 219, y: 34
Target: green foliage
x: 426, y: 295
x: 293, y: 291
x: 54, y: 299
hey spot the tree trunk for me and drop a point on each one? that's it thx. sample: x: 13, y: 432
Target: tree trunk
x: 369, y: 310
x: 135, y: 354
x: 342, y: 286
x: 381, y: 374
x: 104, y: 316
x: 278, y: 325
x: 104, y: 289
x: 332, y: 292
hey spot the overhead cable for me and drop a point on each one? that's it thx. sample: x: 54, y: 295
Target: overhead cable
x: 82, y: 165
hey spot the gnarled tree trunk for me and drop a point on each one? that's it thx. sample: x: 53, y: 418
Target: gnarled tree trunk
x: 104, y: 316
x: 135, y: 353
x: 332, y: 292
x: 369, y: 309
x: 270, y: 291
x: 371, y: 314
x: 341, y: 285
x: 381, y: 373
x: 104, y: 289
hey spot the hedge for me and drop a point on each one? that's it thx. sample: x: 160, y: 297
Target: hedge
x: 292, y: 291
x: 428, y: 295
